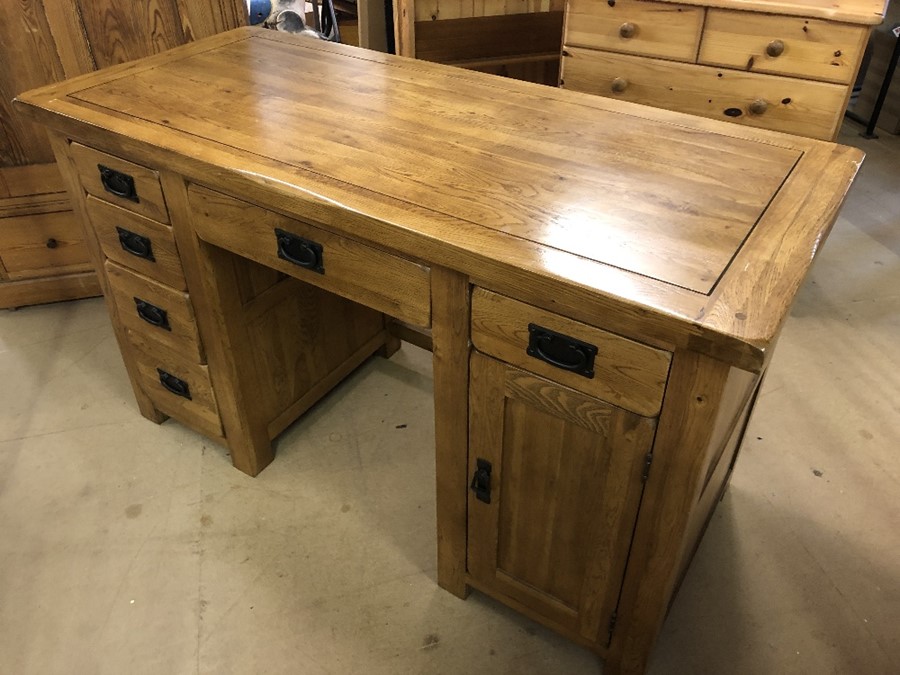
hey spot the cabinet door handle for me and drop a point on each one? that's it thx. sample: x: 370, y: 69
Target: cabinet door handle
x: 174, y: 384
x: 561, y: 351
x: 118, y: 183
x: 302, y: 252
x: 775, y: 48
x: 627, y: 30
x: 481, y: 480
x: 155, y: 316
x: 135, y: 244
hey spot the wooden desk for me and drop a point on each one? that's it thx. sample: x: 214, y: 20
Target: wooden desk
x: 603, y: 282
x: 787, y: 65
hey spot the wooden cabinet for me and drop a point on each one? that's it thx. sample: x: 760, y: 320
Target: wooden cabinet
x: 557, y: 480
x: 42, y: 254
x: 604, y: 284
x: 766, y: 64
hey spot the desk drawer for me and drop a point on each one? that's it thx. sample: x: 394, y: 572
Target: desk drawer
x: 353, y: 270
x: 626, y: 373
x: 802, y: 107
x: 120, y: 182
x: 39, y: 244
x: 165, y: 316
x: 187, y: 394
x: 783, y: 45
x: 136, y: 242
x: 657, y: 29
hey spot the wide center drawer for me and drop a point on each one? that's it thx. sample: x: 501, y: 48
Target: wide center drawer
x: 657, y: 29
x: 625, y: 373
x: 783, y: 45
x: 356, y: 271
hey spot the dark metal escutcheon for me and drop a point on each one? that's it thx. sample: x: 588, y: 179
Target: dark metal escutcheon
x: 302, y: 252
x: 155, y: 316
x: 174, y: 384
x: 481, y: 480
x: 561, y: 351
x: 118, y: 183
x: 136, y: 244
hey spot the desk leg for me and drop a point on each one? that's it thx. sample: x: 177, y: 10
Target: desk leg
x: 671, y: 494
x: 450, y: 334
x: 214, y: 292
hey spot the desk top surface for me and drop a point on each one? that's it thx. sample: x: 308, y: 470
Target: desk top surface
x: 685, y: 217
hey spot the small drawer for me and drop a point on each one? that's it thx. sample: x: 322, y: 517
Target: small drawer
x: 120, y: 182
x: 136, y: 242
x: 42, y: 244
x: 179, y: 389
x: 657, y: 29
x: 165, y: 316
x: 598, y: 363
x: 803, y: 107
x: 783, y: 45
x: 370, y: 276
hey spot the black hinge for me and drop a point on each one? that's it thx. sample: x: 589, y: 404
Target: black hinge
x: 612, y: 627
x: 647, y: 461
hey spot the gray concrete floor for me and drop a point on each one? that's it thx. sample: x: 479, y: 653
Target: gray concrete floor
x: 127, y: 547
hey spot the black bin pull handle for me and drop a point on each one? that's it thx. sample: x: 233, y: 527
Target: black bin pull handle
x: 155, y: 316
x: 302, y: 252
x: 118, y: 183
x: 136, y: 244
x: 174, y: 384
x: 561, y: 351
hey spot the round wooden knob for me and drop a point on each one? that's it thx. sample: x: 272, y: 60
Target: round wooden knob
x: 52, y: 243
x: 619, y: 85
x: 775, y: 48
x: 627, y: 30
x: 759, y: 106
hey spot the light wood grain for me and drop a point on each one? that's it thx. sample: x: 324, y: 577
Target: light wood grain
x: 818, y: 50
x: 662, y: 30
x: 626, y: 373
x: 14, y: 294
x: 795, y: 106
x: 377, y: 279
x: 864, y: 12
x: 181, y: 337
x: 39, y: 244
x: 565, y: 485
x: 151, y: 202
x: 166, y: 264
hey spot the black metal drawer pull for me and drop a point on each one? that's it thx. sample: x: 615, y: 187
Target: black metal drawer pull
x: 302, y: 252
x: 118, y: 183
x: 174, y: 384
x: 481, y: 480
x: 155, y: 316
x: 136, y: 244
x: 561, y: 350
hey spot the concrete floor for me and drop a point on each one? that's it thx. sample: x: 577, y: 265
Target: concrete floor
x: 127, y: 547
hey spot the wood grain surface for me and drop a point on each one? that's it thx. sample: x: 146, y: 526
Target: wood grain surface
x: 560, y: 196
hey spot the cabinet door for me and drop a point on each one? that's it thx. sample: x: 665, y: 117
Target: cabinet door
x: 565, y: 486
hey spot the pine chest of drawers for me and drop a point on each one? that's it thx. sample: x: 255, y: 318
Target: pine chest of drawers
x: 774, y: 65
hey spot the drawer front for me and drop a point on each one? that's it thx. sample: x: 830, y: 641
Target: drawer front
x: 42, y: 244
x: 187, y: 394
x: 783, y: 45
x: 657, y: 29
x: 162, y: 314
x: 812, y: 109
x: 367, y: 275
x: 136, y: 242
x: 627, y: 374
x: 120, y: 182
